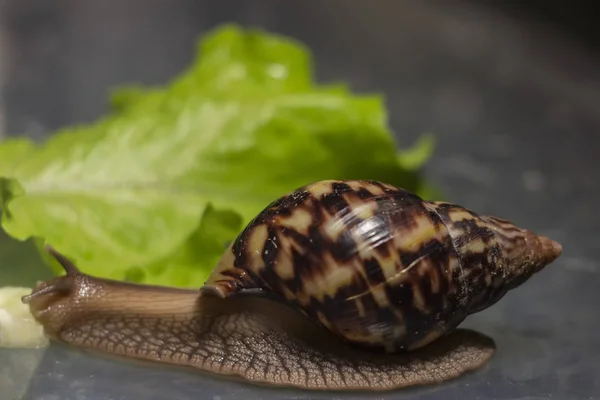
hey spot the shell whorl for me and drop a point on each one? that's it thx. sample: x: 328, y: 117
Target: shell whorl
x: 375, y: 264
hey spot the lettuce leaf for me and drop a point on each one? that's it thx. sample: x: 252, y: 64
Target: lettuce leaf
x: 12, y: 152
x: 205, y: 246
x: 151, y: 192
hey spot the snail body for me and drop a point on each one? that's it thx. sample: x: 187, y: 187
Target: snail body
x: 337, y: 285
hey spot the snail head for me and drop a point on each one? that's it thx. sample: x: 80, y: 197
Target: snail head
x: 48, y: 298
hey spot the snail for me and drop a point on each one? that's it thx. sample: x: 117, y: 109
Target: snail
x: 340, y: 284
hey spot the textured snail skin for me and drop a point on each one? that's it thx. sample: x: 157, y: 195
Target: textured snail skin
x: 326, y: 289
x: 249, y: 337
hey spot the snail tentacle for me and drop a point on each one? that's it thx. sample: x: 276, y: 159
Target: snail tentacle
x: 58, y: 285
x: 69, y: 267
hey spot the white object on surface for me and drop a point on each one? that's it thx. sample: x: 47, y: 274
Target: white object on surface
x: 18, y: 328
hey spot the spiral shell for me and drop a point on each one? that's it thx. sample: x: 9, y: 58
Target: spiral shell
x: 378, y: 266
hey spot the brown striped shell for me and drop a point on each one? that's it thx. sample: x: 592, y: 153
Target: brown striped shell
x: 377, y: 265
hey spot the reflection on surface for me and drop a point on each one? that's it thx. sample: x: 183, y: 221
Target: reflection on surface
x: 16, y: 369
x: 65, y: 373
x: 530, y: 363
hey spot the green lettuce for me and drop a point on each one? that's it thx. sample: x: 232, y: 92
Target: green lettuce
x: 155, y: 190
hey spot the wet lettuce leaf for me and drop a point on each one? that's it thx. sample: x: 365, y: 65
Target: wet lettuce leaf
x: 153, y: 191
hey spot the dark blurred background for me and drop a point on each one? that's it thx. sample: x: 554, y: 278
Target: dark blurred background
x: 575, y: 19
x: 58, y: 58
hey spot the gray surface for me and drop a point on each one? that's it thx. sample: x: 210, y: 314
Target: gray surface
x: 515, y: 110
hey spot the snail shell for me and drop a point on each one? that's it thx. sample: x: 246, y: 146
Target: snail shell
x: 378, y: 277
x: 377, y: 265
